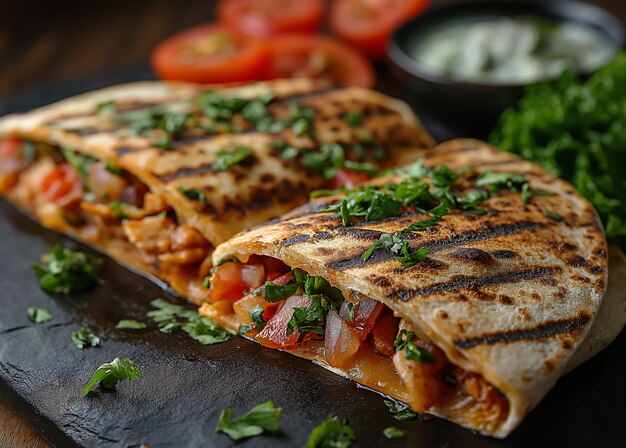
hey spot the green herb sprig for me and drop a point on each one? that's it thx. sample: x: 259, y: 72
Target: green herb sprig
x: 111, y: 373
x: 84, y: 338
x: 332, y: 433
x: 412, y: 351
x: 64, y: 271
x: 261, y: 418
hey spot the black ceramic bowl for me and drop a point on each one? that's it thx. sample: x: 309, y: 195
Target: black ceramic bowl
x: 475, y: 107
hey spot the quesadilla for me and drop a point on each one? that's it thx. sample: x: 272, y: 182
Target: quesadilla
x: 157, y: 174
x: 461, y: 285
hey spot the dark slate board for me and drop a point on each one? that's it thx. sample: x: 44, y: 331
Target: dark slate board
x: 186, y: 385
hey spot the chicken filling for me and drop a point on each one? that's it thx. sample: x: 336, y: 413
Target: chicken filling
x: 104, y: 205
x: 289, y: 309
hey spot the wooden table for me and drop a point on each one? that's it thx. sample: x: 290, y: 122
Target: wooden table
x: 49, y: 40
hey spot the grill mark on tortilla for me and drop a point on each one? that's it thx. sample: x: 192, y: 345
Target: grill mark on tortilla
x: 545, y: 330
x: 356, y: 261
x: 470, y: 282
x: 502, y: 253
x: 123, y: 150
x: 295, y: 240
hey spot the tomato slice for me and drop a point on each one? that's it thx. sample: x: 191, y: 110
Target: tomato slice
x: 369, y: 24
x: 293, y: 56
x: 210, y: 53
x: 62, y: 185
x: 274, y: 335
x: 271, y: 17
x: 231, y: 281
x: 348, y: 179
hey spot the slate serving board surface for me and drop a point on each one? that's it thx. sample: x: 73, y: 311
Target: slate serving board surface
x: 186, y: 385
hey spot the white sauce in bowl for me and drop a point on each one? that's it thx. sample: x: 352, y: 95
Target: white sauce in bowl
x: 520, y: 50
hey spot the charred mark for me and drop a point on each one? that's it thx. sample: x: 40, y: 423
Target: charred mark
x: 202, y: 169
x: 123, y: 150
x: 549, y: 329
x: 359, y: 233
x: 295, y: 240
x: 301, y: 96
x: 577, y: 261
x: 473, y: 255
x: 322, y: 236
x: 356, y: 261
x: 470, y: 282
x: 503, y: 254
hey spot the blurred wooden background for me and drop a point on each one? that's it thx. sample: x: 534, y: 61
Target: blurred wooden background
x: 49, y: 40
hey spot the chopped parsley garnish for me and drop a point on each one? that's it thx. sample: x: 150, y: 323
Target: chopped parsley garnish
x: 398, y: 246
x: 399, y: 411
x: 130, y: 324
x: 354, y: 119
x: 171, y: 318
x: 552, y: 215
x: 275, y: 293
x: 79, y: 162
x: 29, y: 151
x: 258, y: 324
x: 194, y: 194
x: 111, y: 373
x: 106, y: 107
x: 332, y: 433
x: 412, y: 351
x: 64, y: 271
x: 145, y: 122
x: 38, y: 315
x: 500, y: 180
x: 113, y: 169
x: 393, y: 433
x: 422, y: 225
x: 327, y: 161
x: 324, y: 298
x: 261, y: 418
x: 228, y: 158
x: 83, y: 338
x: 117, y: 209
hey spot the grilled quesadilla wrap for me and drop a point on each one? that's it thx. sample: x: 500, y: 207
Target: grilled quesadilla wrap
x: 461, y: 285
x: 157, y: 173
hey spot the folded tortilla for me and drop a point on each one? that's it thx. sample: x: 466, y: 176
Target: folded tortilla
x: 172, y: 202
x: 508, y: 297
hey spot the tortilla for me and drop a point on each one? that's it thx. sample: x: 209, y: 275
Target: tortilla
x: 183, y: 202
x: 508, y: 296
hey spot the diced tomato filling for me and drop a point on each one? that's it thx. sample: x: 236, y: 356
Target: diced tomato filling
x: 62, y: 186
x: 347, y: 178
x: 275, y: 334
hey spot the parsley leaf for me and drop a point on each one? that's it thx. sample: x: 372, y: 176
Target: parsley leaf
x: 110, y: 373
x: 275, y: 293
x: 38, y: 315
x: 422, y: 225
x: 256, y: 314
x: 106, y: 107
x: 79, y: 162
x: 171, y: 318
x: 332, y: 433
x: 130, y: 324
x: 393, y: 433
x: 261, y: 418
x: 117, y: 209
x: 412, y: 351
x: 552, y: 215
x: 83, y: 338
x: 398, y: 246
x: 194, y: 194
x: 353, y: 118
x: 399, y: 411
x: 64, y: 271
x: 229, y: 158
